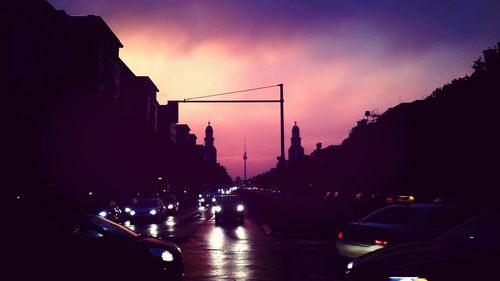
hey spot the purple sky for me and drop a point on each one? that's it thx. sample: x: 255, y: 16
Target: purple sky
x: 335, y: 58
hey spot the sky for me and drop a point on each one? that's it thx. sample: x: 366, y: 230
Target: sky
x: 336, y: 60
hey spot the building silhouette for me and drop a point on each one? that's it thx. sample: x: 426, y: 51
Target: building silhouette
x: 182, y: 134
x: 296, y: 151
x: 168, y: 117
x: 492, y: 58
x: 84, y: 120
x: 210, y: 150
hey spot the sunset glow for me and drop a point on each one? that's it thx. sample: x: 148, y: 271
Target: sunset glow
x: 335, y: 61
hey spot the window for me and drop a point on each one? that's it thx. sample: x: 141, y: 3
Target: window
x: 392, y: 215
x: 445, y: 217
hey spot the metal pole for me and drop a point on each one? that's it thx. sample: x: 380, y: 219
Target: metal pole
x: 224, y: 101
x: 282, y: 115
x: 281, y: 158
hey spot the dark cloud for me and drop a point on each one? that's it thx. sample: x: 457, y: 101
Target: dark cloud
x: 407, y: 20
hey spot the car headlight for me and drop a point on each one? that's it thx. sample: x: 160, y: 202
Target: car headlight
x: 162, y: 253
x: 127, y: 210
x: 152, y: 212
x: 202, y: 200
x: 239, y: 208
x: 406, y: 278
x: 213, y: 199
x: 103, y: 214
x: 218, y: 208
x: 170, y: 206
x: 132, y: 212
x: 350, y: 265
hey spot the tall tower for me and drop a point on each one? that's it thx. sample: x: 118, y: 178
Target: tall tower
x: 245, y: 162
x: 210, y: 150
x: 296, y: 150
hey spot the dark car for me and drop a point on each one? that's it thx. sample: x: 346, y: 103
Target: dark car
x: 466, y: 252
x: 172, y: 203
x: 148, y: 209
x: 206, y: 200
x: 397, y: 224
x: 107, y: 246
x: 74, y: 247
x: 229, y: 208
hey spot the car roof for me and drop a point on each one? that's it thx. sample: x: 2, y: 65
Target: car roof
x: 421, y: 212
x: 150, y: 201
x: 424, y: 206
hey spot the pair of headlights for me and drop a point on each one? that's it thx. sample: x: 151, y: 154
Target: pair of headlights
x: 104, y: 214
x: 132, y: 212
x: 129, y: 211
x: 239, y: 208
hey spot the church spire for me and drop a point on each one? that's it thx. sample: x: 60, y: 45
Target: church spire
x: 296, y: 150
x: 210, y: 151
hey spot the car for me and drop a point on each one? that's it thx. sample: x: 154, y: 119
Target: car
x: 229, y: 208
x: 71, y: 246
x: 172, y: 203
x: 398, y: 223
x: 206, y: 200
x: 148, y: 209
x: 467, y: 252
x: 109, y: 247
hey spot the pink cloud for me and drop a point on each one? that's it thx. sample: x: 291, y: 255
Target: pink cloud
x: 333, y: 70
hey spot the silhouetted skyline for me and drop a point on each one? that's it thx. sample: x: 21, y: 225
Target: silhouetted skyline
x: 336, y: 60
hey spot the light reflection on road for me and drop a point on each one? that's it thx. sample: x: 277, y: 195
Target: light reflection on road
x: 247, y: 252
x: 229, y: 251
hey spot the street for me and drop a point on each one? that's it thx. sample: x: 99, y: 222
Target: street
x: 244, y: 252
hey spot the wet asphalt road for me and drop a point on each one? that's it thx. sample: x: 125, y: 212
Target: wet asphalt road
x: 243, y: 252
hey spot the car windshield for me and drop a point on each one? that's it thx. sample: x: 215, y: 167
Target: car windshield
x: 479, y: 232
x: 112, y: 229
x: 392, y: 215
x: 147, y: 203
x: 170, y: 198
x: 446, y: 217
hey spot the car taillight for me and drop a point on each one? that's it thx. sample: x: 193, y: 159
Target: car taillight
x: 340, y: 235
x: 381, y: 242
